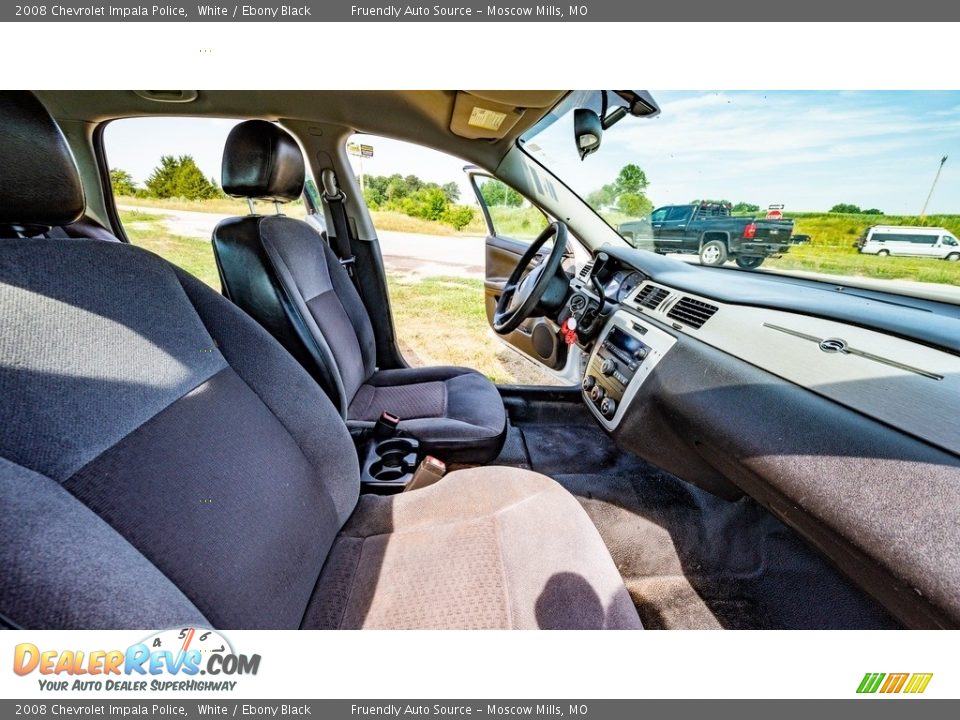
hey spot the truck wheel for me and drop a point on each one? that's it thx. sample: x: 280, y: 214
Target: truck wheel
x: 749, y: 263
x: 953, y: 257
x: 883, y: 253
x: 713, y: 253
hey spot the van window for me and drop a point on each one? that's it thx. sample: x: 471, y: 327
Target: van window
x: 905, y: 237
x: 950, y: 240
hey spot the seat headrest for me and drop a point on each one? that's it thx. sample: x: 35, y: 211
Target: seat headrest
x: 40, y: 187
x: 261, y: 160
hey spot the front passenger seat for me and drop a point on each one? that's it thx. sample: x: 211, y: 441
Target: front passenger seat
x: 283, y: 275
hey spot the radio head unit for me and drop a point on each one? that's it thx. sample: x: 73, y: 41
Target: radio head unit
x: 626, y: 352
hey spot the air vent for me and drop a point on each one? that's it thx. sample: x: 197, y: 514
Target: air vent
x: 650, y: 296
x: 692, y: 312
x: 585, y: 270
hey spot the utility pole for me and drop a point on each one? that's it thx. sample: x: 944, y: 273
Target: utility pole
x: 943, y: 161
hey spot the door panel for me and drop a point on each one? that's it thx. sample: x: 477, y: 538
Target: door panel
x: 537, y: 339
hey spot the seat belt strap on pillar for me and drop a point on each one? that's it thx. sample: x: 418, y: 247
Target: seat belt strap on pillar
x: 340, y: 243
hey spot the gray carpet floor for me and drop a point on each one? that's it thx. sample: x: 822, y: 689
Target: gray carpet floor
x: 689, y: 559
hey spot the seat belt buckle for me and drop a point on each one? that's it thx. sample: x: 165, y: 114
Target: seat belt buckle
x: 386, y: 425
x: 429, y: 471
x: 347, y: 262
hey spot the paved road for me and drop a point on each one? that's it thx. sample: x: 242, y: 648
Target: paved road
x: 428, y: 255
x: 424, y: 255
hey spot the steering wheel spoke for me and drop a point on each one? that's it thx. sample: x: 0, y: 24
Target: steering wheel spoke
x: 523, y: 290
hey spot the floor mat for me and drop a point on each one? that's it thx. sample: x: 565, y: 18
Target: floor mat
x: 689, y: 558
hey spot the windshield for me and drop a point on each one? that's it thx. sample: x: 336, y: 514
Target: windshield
x: 790, y: 182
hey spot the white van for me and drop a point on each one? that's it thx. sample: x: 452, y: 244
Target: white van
x: 930, y: 242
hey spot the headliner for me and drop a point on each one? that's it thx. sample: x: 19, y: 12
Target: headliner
x: 418, y: 116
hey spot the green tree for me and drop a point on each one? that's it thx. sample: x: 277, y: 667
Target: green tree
x: 458, y: 216
x: 848, y: 208
x: 428, y: 203
x: 122, y: 183
x: 627, y: 193
x: 873, y: 211
x: 498, y: 194
x: 745, y: 207
x: 634, y: 204
x: 451, y: 190
x: 710, y: 202
x: 604, y: 197
x: 631, y: 180
x: 180, y: 177
x: 396, y: 188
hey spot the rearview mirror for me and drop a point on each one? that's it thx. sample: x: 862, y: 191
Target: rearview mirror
x: 587, y: 131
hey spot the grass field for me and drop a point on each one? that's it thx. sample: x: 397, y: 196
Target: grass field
x: 221, y: 206
x: 456, y: 333
x: 832, y: 250
x: 194, y: 256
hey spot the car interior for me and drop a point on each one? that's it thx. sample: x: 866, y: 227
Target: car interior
x: 729, y: 450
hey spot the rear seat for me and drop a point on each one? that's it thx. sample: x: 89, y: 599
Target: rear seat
x: 85, y: 227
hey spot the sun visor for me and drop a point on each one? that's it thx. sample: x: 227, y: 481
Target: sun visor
x: 481, y: 118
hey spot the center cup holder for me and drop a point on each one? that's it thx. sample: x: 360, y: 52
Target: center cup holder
x: 391, y: 462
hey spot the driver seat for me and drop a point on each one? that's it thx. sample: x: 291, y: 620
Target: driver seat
x: 281, y: 272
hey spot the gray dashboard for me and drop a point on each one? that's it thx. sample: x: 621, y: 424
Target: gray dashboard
x: 846, y: 429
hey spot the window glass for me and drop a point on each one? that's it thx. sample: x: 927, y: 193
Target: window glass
x: 811, y: 170
x: 165, y: 177
x: 510, y: 213
x: 432, y: 236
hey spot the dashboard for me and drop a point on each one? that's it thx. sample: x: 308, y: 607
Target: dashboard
x: 912, y: 386
x: 838, y: 411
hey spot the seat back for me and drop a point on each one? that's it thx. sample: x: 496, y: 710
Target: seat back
x: 281, y: 272
x: 162, y: 459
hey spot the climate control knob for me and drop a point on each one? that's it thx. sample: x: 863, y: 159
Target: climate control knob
x: 608, y: 367
x: 588, y: 382
x: 597, y: 393
x: 608, y: 407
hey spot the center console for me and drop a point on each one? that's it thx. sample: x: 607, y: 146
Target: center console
x: 626, y: 351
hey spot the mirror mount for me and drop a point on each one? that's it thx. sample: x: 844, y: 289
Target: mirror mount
x: 587, y: 131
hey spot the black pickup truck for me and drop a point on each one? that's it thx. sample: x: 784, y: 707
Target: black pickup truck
x: 712, y: 232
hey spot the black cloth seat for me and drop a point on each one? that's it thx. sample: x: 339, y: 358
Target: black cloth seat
x: 164, y: 462
x: 283, y: 274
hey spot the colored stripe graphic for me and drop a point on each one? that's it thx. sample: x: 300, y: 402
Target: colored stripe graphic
x: 918, y: 682
x: 894, y: 683
x: 870, y: 682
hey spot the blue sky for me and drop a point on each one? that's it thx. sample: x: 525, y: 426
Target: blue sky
x: 808, y: 150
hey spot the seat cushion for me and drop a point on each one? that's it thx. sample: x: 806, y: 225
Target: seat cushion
x: 455, y: 413
x: 483, y: 548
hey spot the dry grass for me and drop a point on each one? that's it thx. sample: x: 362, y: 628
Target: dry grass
x: 219, y: 206
x: 442, y: 321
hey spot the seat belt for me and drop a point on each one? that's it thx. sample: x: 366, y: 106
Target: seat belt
x: 340, y: 243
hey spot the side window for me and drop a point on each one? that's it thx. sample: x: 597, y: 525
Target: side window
x: 658, y: 216
x: 432, y: 232
x: 510, y: 214
x: 950, y: 240
x: 165, y: 178
x: 677, y: 213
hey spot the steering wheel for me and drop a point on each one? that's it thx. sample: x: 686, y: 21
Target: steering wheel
x: 523, y: 294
